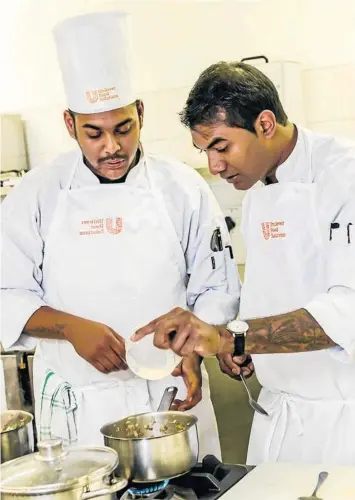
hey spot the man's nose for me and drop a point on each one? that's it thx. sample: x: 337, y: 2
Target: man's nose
x: 111, y: 145
x: 215, y: 164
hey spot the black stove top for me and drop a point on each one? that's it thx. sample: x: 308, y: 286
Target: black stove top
x: 208, y: 480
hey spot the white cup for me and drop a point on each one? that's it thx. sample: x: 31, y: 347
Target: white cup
x: 147, y: 361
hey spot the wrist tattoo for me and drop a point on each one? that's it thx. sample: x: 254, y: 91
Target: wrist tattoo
x: 296, y: 331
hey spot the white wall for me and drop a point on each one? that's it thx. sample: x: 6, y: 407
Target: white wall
x: 330, y: 99
x: 174, y: 41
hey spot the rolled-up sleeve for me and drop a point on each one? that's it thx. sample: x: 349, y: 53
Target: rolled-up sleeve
x: 335, y: 309
x: 21, y: 262
x: 213, y: 291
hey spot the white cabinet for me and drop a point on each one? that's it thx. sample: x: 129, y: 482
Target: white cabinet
x: 12, y: 144
x: 13, y: 156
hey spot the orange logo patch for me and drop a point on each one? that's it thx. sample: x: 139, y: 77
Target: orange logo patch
x: 271, y: 230
x: 100, y: 226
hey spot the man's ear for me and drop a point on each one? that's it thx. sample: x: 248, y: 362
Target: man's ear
x: 265, y: 124
x: 140, y: 110
x: 69, y: 120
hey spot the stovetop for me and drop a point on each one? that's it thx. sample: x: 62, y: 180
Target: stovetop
x: 207, y: 481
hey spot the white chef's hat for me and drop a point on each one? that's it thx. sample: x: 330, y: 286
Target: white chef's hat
x: 95, y: 57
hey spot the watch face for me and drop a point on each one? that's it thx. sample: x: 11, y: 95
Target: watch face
x: 238, y: 326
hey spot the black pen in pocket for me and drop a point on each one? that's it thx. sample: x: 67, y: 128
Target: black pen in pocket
x: 216, y: 241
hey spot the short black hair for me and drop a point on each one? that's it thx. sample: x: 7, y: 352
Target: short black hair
x: 237, y: 89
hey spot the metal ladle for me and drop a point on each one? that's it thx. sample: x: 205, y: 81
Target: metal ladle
x: 321, y: 478
x: 254, y: 404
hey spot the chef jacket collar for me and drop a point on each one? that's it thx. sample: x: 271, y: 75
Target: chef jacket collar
x: 297, y: 167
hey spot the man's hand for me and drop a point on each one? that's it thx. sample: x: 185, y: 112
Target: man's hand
x: 232, y: 366
x: 190, y: 370
x: 102, y: 347
x: 186, y: 334
x: 96, y: 343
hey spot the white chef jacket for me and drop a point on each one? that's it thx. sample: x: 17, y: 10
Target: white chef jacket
x: 309, y: 262
x: 27, y: 212
x: 332, y: 168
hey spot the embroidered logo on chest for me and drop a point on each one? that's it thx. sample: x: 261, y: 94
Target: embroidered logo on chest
x: 273, y: 230
x: 93, y: 227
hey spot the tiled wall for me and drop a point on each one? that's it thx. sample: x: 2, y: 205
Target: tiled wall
x: 329, y: 102
x: 180, y: 39
x: 174, y: 40
x: 330, y: 99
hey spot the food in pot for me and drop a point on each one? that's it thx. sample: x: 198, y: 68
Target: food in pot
x: 132, y: 428
x: 11, y: 422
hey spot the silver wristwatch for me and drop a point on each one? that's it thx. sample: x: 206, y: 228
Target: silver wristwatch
x: 239, y: 331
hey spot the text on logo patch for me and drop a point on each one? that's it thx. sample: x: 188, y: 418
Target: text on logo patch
x: 273, y: 230
x: 112, y: 225
x: 100, y: 95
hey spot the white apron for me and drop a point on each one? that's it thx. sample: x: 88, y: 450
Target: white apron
x: 309, y: 396
x: 112, y: 255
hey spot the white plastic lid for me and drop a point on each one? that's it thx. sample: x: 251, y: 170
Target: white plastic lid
x: 147, y: 361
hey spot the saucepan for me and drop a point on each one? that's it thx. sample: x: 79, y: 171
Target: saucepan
x: 154, y: 446
x: 17, y: 438
x: 59, y: 473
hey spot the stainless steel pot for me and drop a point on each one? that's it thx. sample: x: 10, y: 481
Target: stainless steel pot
x: 78, y: 473
x: 154, y: 446
x: 17, y: 437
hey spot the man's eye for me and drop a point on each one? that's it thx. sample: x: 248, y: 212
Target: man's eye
x: 97, y: 136
x: 124, y: 130
x: 223, y: 150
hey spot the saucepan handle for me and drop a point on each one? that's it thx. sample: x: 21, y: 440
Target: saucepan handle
x: 116, y: 485
x: 167, y: 399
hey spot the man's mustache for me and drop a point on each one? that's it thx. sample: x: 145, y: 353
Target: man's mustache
x: 112, y: 158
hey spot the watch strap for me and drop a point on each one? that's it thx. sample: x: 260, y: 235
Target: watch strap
x: 239, y: 344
